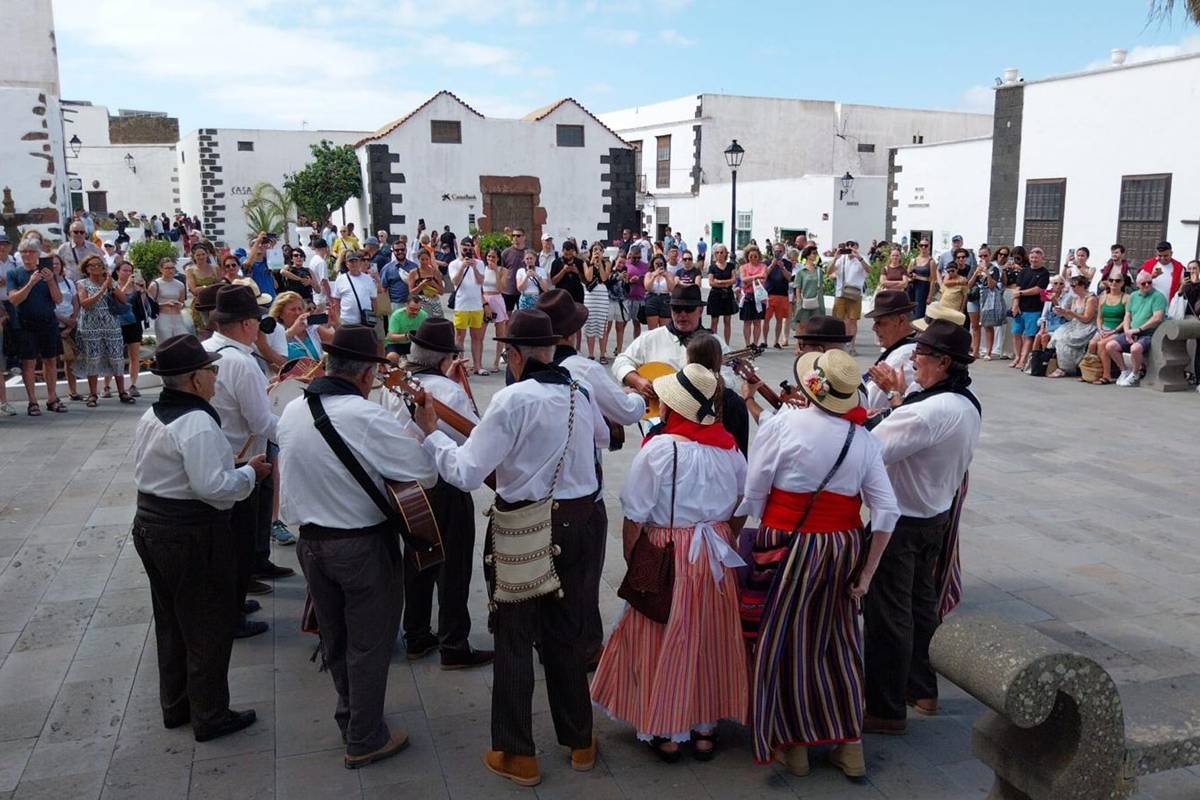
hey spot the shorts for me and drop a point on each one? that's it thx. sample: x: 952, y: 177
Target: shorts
x: 527, y: 302
x: 510, y: 302
x: 845, y: 308
x: 972, y: 307
x: 635, y: 310
x: 618, y: 310
x: 37, y: 342
x: 399, y: 348
x: 131, y: 333
x: 658, y: 305
x: 499, y: 307
x: 777, y: 307
x: 468, y: 319
x: 1123, y: 342
x: 1026, y: 323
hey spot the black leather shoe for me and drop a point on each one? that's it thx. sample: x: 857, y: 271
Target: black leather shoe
x: 258, y: 587
x: 271, y: 571
x: 422, y: 647
x: 234, y: 721
x: 465, y: 659
x: 177, y: 721
x: 250, y: 606
x: 250, y: 628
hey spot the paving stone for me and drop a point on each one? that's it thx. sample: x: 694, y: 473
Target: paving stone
x: 320, y: 774
x: 14, y: 756
x: 73, y: 758
x: 246, y: 777
x: 149, y: 776
x: 88, y: 710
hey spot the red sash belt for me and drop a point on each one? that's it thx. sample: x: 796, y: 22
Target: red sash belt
x: 830, y: 514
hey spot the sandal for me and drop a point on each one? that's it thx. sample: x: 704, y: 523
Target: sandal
x: 483, y: 373
x: 76, y: 398
x: 35, y: 410
x: 1101, y: 382
x: 988, y: 357
x: 603, y: 359
x: 707, y: 753
x: 1058, y: 373
x: 665, y: 756
x: 126, y: 399
x: 91, y: 401
x: 56, y: 406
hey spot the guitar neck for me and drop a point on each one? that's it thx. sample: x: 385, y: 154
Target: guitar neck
x: 449, y: 416
x: 770, y: 396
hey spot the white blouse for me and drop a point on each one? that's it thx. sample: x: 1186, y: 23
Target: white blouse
x: 795, y: 451
x: 708, y: 483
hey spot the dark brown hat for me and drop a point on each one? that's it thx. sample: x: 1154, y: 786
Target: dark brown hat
x: 436, y: 334
x: 530, y: 327
x: 234, y: 304
x: 825, y: 329
x: 180, y: 355
x: 566, y: 316
x: 686, y: 295
x: 357, y: 342
x: 890, y: 301
x: 948, y: 338
x: 206, y: 297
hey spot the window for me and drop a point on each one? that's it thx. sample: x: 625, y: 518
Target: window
x: 246, y: 147
x: 1044, y: 201
x: 918, y: 138
x: 866, y: 148
x: 662, y: 178
x: 570, y: 135
x: 1142, y: 219
x: 445, y: 131
x: 745, y: 221
x: 637, y: 165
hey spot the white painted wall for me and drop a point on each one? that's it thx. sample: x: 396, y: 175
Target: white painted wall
x: 1065, y: 135
x: 31, y: 168
x: 29, y: 58
x: 944, y: 188
x: 147, y: 191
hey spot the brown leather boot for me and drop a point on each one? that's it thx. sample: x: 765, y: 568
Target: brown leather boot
x: 795, y: 759
x: 927, y: 706
x: 398, y: 742
x: 849, y: 759
x: 521, y: 770
x: 584, y: 758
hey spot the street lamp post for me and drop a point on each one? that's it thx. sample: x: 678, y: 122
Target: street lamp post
x: 847, y: 183
x: 733, y: 157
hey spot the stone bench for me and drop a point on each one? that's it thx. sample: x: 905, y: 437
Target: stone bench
x: 1168, y: 357
x: 1056, y: 726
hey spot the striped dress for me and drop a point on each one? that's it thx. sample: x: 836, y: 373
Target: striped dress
x: 668, y: 680
x: 596, y: 300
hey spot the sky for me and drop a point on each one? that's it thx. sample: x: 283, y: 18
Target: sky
x: 327, y: 65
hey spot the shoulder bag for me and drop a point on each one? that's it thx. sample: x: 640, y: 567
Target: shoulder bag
x: 650, y: 580
x: 364, y: 317
x: 523, y: 549
x: 457, y: 286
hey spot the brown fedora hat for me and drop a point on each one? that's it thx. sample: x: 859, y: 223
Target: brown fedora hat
x: 236, y: 303
x: 890, y: 301
x: 436, y: 334
x: 686, y: 295
x: 180, y: 355
x: 357, y: 342
x: 825, y: 329
x: 948, y: 338
x: 206, y: 297
x: 530, y: 327
x: 566, y: 316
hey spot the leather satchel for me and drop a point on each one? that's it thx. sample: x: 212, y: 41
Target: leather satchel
x: 649, y: 582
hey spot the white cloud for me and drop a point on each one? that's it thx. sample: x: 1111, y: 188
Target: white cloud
x: 676, y: 39
x: 980, y: 99
x: 1189, y: 44
x: 599, y: 87
x: 623, y: 37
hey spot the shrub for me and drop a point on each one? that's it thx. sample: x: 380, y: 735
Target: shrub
x: 500, y: 240
x: 146, y: 254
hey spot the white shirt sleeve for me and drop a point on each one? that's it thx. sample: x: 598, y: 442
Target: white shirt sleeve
x: 880, y: 497
x: 467, y: 466
x: 902, y: 434
x: 760, y: 469
x: 252, y: 396
x: 650, y: 467
x: 209, y: 464
x: 629, y: 360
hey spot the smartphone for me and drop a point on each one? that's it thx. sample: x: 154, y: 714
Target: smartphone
x: 845, y: 251
x: 46, y: 262
x: 318, y: 319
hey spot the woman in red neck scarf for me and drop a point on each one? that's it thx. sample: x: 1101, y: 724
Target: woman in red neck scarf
x: 809, y: 472
x: 674, y: 680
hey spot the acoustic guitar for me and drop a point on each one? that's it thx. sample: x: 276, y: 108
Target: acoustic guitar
x: 657, y: 369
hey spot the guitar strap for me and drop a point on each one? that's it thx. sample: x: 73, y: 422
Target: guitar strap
x: 342, y: 451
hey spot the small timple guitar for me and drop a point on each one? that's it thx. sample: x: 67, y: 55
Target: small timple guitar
x: 788, y: 394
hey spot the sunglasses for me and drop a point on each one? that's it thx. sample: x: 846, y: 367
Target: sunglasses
x: 687, y: 260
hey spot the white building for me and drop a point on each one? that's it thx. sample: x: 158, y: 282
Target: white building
x: 796, y: 155
x: 938, y: 190
x: 558, y: 170
x: 219, y: 167
x: 1091, y: 158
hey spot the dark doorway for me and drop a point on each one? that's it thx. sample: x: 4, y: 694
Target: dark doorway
x: 98, y: 202
x: 511, y: 211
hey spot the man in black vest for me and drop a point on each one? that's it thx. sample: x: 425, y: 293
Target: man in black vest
x: 892, y: 325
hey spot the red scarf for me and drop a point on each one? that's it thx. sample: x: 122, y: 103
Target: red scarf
x: 857, y: 415
x: 713, y: 435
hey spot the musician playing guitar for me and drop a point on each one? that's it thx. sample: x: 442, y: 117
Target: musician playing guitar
x: 348, y: 548
x: 821, y: 334
x: 433, y: 355
x: 619, y: 407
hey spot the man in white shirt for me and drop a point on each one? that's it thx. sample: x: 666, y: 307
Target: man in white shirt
x: 892, y: 317
x: 246, y: 419
x: 929, y: 437
x: 466, y: 279
x: 433, y: 355
x: 620, y: 408
x: 849, y: 270
x: 521, y: 436
x: 548, y: 254
x: 187, y: 484
x: 353, y: 291
x: 348, y: 547
x: 318, y: 268
x: 75, y: 250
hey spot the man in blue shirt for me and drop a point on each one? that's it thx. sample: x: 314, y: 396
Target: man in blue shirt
x: 393, y: 277
x: 257, y: 268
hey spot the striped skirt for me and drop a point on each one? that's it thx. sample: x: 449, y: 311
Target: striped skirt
x: 807, y: 670
x: 667, y: 680
x: 596, y: 301
x: 948, y: 572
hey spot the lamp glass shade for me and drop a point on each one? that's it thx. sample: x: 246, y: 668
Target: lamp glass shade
x: 734, y: 154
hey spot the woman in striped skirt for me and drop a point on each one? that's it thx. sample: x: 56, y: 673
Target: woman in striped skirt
x: 596, y: 273
x: 811, y: 565
x: 674, y: 681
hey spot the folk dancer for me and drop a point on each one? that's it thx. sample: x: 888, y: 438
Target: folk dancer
x: 928, y: 439
x: 187, y: 484
x: 621, y: 407
x: 521, y: 436
x: 241, y: 401
x: 892, y: 323
x: 808, y: 475
x: 820, y: 335
x: 347, y: 547
x: 433, y: 355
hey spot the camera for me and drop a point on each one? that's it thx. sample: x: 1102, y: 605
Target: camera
x: 318, y: 319
x: 267, y: 325
x: 845, y: 251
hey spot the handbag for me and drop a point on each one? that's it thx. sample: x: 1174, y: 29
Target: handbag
x: 649, y: 582
x: 1090, y: 369
x: 1039, y: 361
x: 809, y: 303
x: 1178, y: 308
x: 115, y: 306
x: 523, y: 549
x: 852, y: 293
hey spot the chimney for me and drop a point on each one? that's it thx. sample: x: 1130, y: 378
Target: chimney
x: 1118, y: 56
x: 1010, y: 76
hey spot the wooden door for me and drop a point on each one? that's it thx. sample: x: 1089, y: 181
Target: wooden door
x: 98, y: 202
x: 512, y: 211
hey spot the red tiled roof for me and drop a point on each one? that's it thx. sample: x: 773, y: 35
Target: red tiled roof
x: 391, y: 126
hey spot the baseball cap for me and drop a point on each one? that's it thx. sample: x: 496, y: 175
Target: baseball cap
x: 371, y: 240
x: 110, y: 244
x: 240, y: 252
x: 547, y: 238
x: 4, y: 239
x: 956, y: 237
x: 320, y: 243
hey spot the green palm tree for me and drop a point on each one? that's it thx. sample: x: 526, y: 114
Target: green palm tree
x: 269, y: 209
x: 1163, y: 9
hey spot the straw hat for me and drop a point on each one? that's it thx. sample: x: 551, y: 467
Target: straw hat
x: 830, y: 380
x: 938, y: 311
x: 689, y: 392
